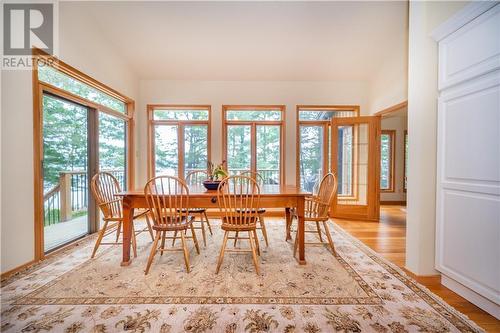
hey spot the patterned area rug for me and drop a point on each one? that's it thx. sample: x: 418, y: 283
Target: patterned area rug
x: 356, y: 291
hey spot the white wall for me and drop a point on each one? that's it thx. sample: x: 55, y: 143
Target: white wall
x: 390, y: 85
x: 399, y: 124
x: 422, y: 120
x: 217, y: 93
x: 81, y: 46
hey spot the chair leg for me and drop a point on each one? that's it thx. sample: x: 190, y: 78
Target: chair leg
x: 296, y: 242
x: 202, y: 222
x: 263, y: 226
x: 99, y: 238
x: 256, y: 241
x: 134, y: 241
x: 150, y: 229
x: 221, y: 255
x: 254, y: 255
x: 186, y: 252
x: 208, y: 223
x: 318, y: 229
x: 153, y: 252
x: 175, y: 238
x: 195, y: 240
x: 329, y: 236
x: 118, y: 230
x: 163, y: 236
x: 235, y: 239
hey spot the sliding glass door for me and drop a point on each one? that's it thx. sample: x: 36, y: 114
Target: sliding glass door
x: 78, y: 141
x: 65, y: 171
x: 112, y: 147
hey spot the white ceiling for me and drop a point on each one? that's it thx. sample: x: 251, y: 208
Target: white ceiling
x: 251, y: 40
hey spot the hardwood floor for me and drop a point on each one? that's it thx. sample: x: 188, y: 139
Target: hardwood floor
x: 388, y: 239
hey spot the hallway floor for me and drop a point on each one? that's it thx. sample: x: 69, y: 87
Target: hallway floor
x: 388, y: 239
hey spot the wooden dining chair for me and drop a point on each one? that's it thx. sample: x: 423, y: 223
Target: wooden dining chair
x: 104, y: 188
x: 168, y: 200
x: 196, y: 177
x: 238, y: 198
x: 317, y: 208
x: 261, y: 211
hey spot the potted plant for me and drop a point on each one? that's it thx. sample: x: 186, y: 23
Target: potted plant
x: 215, y: 175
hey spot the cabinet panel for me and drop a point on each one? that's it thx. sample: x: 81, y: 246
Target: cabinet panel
x: 471, y: 134
x: 472, y: 50
x: 472, y: 231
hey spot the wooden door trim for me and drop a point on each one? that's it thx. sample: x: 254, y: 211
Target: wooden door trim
x: 326, y: 126
x: 39, y: 88
x: 392, y: 164
x: 370, y: 211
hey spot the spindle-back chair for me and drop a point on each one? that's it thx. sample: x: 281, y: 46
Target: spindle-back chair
x: 168, y: 201
x: 196, y: 177
x: 238, y: 198
x: 317, y: 209
x: 104, y: 188
x: 261, y: 223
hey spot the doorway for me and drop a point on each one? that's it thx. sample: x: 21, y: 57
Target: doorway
x: 66, y: 166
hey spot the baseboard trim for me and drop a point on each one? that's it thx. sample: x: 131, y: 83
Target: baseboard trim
x: 393, y: 203
x: 470, y: 295
x: 17, y: 269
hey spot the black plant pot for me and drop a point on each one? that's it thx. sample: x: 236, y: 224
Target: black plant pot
x: 211, y: 185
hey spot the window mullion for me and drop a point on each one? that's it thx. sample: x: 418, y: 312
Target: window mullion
x: 253, y: 143
x: 180, y: 140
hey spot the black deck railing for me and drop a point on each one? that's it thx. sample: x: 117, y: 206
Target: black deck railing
x: 70, y: 197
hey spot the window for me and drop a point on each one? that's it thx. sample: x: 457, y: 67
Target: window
x: 313, y: 146
x: 405, y: 174
x: 179, y: 139
x: 387, y: 160
x: 253, y: 140
x: 80, y: 127
x: 63, y: 81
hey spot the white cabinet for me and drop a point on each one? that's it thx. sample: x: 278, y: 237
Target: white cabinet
x: 468, y: 169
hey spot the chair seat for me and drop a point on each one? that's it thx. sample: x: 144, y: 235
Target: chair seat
x: 309, y: 216
x: 234, y: 226
x: 194, y: 210
x: 259, y: 211
x: 170, y: 226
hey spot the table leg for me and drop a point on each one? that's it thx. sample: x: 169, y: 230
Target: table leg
x: 128, y: 216
x: 301, y: 230
x: 288, y: 219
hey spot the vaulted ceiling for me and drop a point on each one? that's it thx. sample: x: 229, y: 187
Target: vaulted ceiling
x: 251, y: 40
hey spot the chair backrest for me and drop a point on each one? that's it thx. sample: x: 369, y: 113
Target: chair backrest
x: 104, y: 187
x: 196, y: 177
x: 255, y: 176
x: 326, y: 194
x: 168, y: 200
x: 239, y: 199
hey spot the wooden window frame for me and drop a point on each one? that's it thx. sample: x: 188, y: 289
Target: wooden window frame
x: 392, y: 162
x: 180, y: 133
x: 39, y: 89
x: 326, y: 124
x: 253, y: 132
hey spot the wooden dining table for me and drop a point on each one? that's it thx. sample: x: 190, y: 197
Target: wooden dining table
x: 271, y: 196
